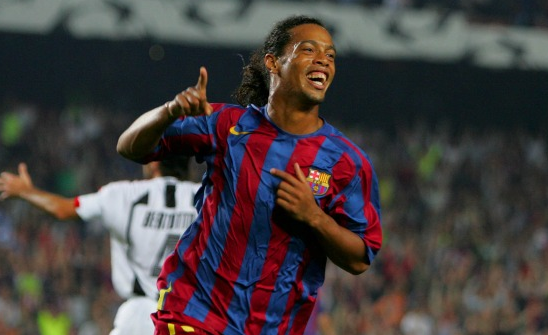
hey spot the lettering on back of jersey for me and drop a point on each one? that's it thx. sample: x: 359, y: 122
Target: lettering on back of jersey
x: 162, y: 220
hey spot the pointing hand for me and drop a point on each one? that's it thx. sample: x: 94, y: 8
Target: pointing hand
x: 294, y: 195
x: 193, y: 100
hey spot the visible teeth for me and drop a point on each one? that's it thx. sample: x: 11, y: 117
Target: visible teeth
x: 317, y: 75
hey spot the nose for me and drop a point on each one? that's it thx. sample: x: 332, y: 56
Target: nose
x: 322, y: 58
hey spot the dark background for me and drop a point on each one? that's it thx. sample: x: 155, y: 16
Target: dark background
x: 54, y: 70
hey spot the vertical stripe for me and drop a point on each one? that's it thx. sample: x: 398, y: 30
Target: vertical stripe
x: 184, y: 280
x: 170, y: 196
x: 229, y: 164
x: 249, y: 178
x: 141, y: 201
x: 300, y: 319
x: 281, y: 245
x: 292, y: 301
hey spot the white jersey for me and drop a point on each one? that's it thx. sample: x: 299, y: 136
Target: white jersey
x: 145, y: 219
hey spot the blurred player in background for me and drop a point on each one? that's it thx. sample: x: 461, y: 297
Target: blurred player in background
x: 284, y: 190
x: 145, y: 219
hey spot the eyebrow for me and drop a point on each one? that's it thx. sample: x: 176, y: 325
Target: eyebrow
x: 331, y: 47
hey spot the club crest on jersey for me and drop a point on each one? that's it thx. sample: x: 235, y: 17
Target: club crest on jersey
x: 318, y: 181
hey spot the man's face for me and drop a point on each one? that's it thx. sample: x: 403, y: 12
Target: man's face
x: 308, y: 64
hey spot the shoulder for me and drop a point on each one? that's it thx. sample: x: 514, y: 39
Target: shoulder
x: 348, y: 148
x: 113, y: 185
x: 230, y: 115
x: 225, y: 112
x: 131, y: 186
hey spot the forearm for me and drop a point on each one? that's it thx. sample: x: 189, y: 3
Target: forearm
x: 144, y: 134
x: 343, y: 247
x: 60, y: 207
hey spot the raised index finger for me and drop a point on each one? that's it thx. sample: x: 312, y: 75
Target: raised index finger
x: 202, y: 80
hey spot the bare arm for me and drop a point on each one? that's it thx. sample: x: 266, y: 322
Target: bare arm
x: 143, y: 134
x: 20, y: 186
x: 343, y: 247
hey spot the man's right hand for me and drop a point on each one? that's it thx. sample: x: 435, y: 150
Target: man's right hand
x: 193, y: 100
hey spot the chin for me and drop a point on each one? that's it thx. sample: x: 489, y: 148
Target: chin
x: 317, y: 100
x: 315, y: 97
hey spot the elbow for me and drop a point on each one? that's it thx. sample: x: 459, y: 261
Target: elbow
x: 129, y: 148
x: 360, y: 263
x: 124, y: 150
x: 358, y: 268
x: 354, y: 268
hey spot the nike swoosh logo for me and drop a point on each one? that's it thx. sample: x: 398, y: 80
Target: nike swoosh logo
x: 233, y: 131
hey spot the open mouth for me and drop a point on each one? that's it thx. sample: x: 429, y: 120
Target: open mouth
x: 317, y: 78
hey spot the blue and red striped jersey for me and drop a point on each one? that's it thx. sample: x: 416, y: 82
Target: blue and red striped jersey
x: 244, y: 267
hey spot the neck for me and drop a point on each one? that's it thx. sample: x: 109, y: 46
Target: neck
x: 295, y: 121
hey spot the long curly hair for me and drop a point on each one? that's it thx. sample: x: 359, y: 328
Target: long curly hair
x: 255, y: 85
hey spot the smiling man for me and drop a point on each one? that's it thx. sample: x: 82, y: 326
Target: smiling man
x: 283, y: 192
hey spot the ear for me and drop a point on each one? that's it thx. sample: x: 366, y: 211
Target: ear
x: 270, y: 61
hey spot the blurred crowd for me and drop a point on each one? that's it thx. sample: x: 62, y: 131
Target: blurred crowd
x: 55, y: 276
x: 464, y: 215
x: 466, y: 244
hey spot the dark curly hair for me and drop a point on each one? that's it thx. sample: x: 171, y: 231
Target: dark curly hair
x: 255, y: 85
